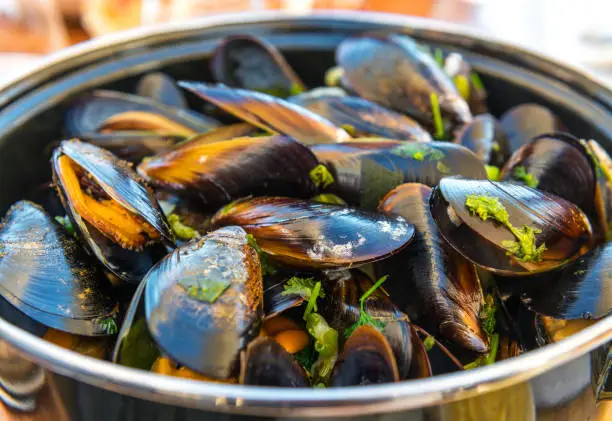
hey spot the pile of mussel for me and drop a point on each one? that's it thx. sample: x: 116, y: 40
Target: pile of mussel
x: 382, y: 228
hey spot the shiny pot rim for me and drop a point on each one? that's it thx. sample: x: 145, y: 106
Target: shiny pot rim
x: 303, y: 402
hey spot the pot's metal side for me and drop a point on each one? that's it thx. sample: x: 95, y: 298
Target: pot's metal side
x: 549, y: 378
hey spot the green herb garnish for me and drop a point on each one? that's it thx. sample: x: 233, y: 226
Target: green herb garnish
x: 476, y: 81
x: 138, y: 349
x: 350, y: 129
x: 296, y: 89
x: 521, y: 174
x: 180, y: 230
x: 65, y: 222
x: 418, y: 151
x: 333, y: 76
x: 487, y: 316
x: 439, y: 57
x: 524, y: 248
x: 321, y: 177
x: 306, y: 357
x: 495, y: 147
x: 602, y: 170
x: 304, y: 287
x: 442, y: 168
x: 319, y: 386
x: 312, y: 300
x: 428, y: 343
x: 326, y: 344
x: 328, y: 198
x: 462, y: 84
x: 204, y: 289
x: 493, y: 172
x: 266, y: 267
x: 489, y: 358
x: 364, y: 318
x: 437, y: 116
x: 109, y: 325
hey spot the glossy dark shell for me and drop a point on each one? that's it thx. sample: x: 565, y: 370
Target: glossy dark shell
x: 391, y: 70
x: 420, y: 367
x: 603, y: 188
x: 270, y: 113
x: 341, y: 309
x: 205, y: 337
x: 561, y: 165
x: 366, y: 359
x: 428, y: 280
x: 486, y: 138
x: 133, y: 146
x: 365, y: 118
x: 526, y: 121
x: 365, y: 171
x: 266, y: 363
x: 121, y: 183
x: 46, y: 274
x: 161, y: 88
x: 220, y: 172
x: 276, y: 302
x: 249, y: 62
x: 566, y: 230
x: 88, y: 111
x: 304, y: 234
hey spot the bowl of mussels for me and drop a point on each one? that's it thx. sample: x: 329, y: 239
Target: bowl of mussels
x: 306, y: 213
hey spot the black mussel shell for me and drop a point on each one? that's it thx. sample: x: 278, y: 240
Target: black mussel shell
x: 118, y: 181
x: 556, y: 163
x: 270, y: 113
x: 133, y: 146
x: 526, y: 121
x: 220, y: 172
x: 366, y: 170
x: 457, y: 67
x: 362, y: 118
x: 341, y: 309
x: 90, y: 110
x: 161, y: 88
x: 46, y: 274
x: 366, y: 359
x: 421, y: 366
x: 565, y: 229
x: 267, y: 363
x: 305, y: 234
x: 485, y: 137
x: 249, y: 62
x: 206, y: 336
x: 581, y: 289
x: 428, y: 280
x: 230, y: 131
x: 391, y: 70
x: 276, y: 301
x: 603, y: 189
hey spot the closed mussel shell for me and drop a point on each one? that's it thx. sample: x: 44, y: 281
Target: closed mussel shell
x: 558, y: 224
x: 366, y: 170
x: 220, y: 172
x: 526, y: 121
x: 267, y: 363
x: 428, y: 280
x: 486, y: 138
x: 203, y: 302
x: 46, y: 274
x: 113, y: 210
x: 133, y: 146
x: 250, y: 62
x: 305, y: 234
x: 161, y: 88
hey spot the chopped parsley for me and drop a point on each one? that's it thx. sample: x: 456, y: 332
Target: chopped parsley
x: 524, y: 248
x: 204, y: 289
x: 138, y: 349
x: 493, y: 172
x: 487, y: 316
x: 418, y: 151
x: 65, y: 222
x: 488, y: 358
x: 266, y: 267
x: 304, y: 287
x: 180, y: 230
x: 109, y: 325
x: 364, y: 318
x: 437, y: 116
x: 429, y: 343
x: 321, y: 177
x: 521, y: 174
x: 439, y: 57
x: 328, y: 198
x: 462, y: 84
x: 306, y: 357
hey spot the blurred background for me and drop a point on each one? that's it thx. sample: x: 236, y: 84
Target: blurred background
x: 575, y: 31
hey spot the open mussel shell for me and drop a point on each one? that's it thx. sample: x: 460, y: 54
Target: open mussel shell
x: 111, y: 188
x: 366, y: 170
x: 249, y: 62
x: 89, y: 111
x: 557, y: 163
x: 391, y: 70
x: 206, y: 333
x: 457, y: 67
x: 161, y: 88
x: 220, y: 172
x: 341, y: 309
x: 428, y: 280
x: 565, y: 229
x: 133, y: 146
x: 581, y: 289
x: 276, y: 301
x: 46, y: 274
x: 305, y: 234
x: 270, y: 113
x: 267, y: 363
x: 366, y: 358
x: 526, y: 121
x: 363, y: 118
x: 485, y: 137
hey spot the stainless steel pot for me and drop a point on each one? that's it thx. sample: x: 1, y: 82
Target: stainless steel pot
x: 568, y: 376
